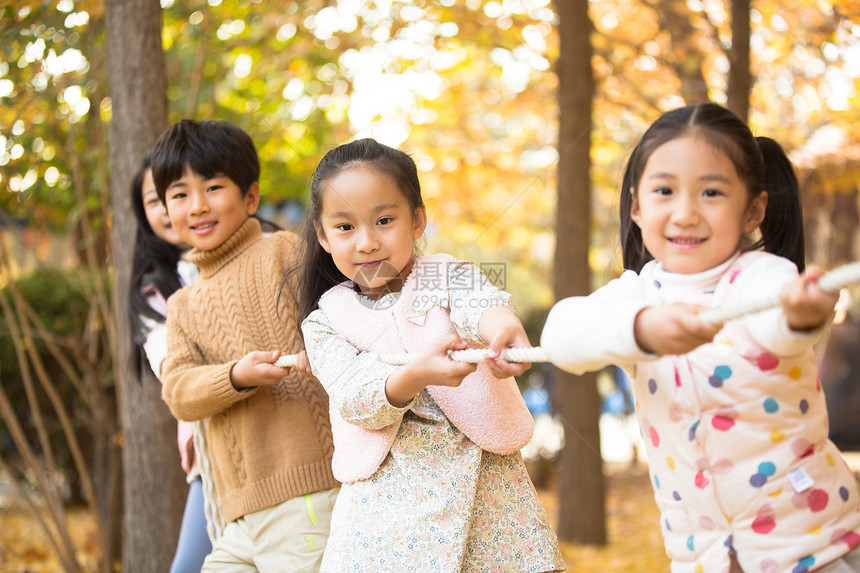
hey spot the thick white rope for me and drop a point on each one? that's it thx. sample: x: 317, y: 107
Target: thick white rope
x: 286, y: 361
x: 830, y: 282
x: 472, y: 355
x: 476, y: 355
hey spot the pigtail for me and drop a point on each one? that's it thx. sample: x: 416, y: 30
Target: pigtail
x: 633, y: 251
x: 782, y: 227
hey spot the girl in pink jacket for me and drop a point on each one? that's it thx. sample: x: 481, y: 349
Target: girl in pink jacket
x: 428, y: 453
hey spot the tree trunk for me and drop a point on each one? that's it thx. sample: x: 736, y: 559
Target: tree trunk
x: 581, y: 495
x: 740, y: 79
x: 685, y: 56
x: 154, y: 490
x: 845, y: 219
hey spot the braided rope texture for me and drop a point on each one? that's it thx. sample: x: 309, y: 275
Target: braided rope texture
x: 473, y: 356
x: 831, y: 282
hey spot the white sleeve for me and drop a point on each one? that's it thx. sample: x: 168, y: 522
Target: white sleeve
x: 763, y: 279
x: 155, y: 345
x: 188, y: 272
x: 586, y: 333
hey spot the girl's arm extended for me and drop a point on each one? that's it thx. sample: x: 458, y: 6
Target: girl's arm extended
x: 470, y: 294
x: 672, y: 328
x: 583, y: 334
x: 479, y: 311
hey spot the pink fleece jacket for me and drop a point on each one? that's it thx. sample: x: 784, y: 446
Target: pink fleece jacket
x: 489, y: 411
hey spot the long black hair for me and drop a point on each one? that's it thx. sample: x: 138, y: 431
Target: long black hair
x: 315, y: 271
x: 153, y: 264
x: 760, y: 162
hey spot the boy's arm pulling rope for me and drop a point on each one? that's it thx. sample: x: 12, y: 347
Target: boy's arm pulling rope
x: 831, y: 282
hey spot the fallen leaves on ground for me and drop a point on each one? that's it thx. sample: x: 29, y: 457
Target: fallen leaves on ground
x: 24, y: 547
x: 632, y: 517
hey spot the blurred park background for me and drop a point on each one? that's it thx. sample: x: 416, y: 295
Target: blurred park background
x: 519, y: 114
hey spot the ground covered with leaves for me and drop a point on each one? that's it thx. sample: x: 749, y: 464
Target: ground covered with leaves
x: 24, y: 547
x: 632, y: 517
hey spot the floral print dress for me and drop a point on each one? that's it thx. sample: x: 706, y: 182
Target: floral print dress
x: 438, y: 502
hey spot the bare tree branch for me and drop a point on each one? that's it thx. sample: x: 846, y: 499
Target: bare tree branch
x: 65, y: 549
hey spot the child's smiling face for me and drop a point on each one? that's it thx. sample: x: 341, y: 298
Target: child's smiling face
x: 205, y: 212
x: 692, y: 207
x: 368, y: 226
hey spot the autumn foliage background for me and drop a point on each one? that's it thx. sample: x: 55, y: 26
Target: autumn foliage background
x: 468, y: 87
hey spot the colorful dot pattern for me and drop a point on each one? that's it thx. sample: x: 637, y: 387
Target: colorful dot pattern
x: 725, y: 426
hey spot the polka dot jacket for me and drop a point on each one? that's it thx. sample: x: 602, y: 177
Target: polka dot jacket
x: 736, y: 430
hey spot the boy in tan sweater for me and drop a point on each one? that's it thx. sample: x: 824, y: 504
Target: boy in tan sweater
x: 269, y: 435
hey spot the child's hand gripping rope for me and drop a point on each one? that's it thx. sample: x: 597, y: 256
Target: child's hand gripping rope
x: 830, y: 282
x: 298, y: 361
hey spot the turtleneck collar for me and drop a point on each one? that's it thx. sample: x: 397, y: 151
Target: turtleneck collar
x: 210, y: 262
x: 703, y: 283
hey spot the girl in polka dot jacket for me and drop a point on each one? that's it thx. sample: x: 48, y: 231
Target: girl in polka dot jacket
x: 733, y: 416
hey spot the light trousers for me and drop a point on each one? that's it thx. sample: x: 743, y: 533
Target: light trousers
x: 288, y: 537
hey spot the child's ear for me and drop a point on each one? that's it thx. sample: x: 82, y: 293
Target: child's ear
x: 756, y: 212
x: 252, y: 199
x: 634, y: 207
x: 321, y: 238
x: 419, y: 222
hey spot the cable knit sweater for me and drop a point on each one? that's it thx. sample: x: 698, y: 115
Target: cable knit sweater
x: 267, y: 444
